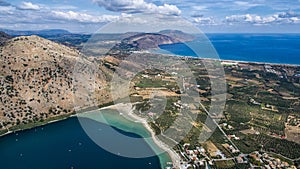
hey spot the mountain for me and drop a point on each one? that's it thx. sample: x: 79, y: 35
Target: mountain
x: 179, y: 35
x: 41, y: 79
x: 3, y: 38
x: 145, y: 41
x: 46, y: 32
x: 153, y: 40
x: 149, y: 40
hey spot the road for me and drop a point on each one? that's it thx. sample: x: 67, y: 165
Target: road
x: 218, y: 126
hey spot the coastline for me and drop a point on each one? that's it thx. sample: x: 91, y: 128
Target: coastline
x: 53, y: 119
x: 128, y: 111
x: 222, y: 60
x: 255, y: 62
x: 246, y: 62
x: 56, y: 119
x: 172, y: 155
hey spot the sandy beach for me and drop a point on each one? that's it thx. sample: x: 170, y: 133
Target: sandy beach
x: 229, y: 60
x: 127, y: 112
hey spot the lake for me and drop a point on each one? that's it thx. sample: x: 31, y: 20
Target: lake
x: 65, y: 145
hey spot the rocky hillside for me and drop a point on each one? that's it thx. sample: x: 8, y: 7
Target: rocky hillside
x: 40, y: 79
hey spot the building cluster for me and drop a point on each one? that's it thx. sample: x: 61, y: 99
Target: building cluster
x: 199, y: 157
x: 230, y: 148
x: 195, y: 158
x: 268, y: 162
x: 270, y: 69
x: 293, y: 120
x: 226, y: 126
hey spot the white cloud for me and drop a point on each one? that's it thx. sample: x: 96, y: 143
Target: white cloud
x: 137, y: 6
x: 209, y: 12
x: 83, y: 17
x: 288, y: 14
x: 288, y: 17
x: 204, y: 20
x: 243, y: 18
x: 279, y: 18
x: 149, y: 23
x: 29, y: 6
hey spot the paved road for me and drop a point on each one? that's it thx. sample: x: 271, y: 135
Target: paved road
x: 218, y: 126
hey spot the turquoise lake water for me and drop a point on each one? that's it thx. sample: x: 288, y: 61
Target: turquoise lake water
x: 65, y: 145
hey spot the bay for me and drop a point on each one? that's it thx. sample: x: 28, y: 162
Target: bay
x: 266, y: 48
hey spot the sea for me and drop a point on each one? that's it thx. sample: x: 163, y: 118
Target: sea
x: 266, y: 48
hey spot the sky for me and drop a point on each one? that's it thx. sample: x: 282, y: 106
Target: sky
x: 210, y: 16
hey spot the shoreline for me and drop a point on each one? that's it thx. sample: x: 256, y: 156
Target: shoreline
x: 224, y: 60
x: 43, y: 124
x: 246, y: 62
x: 165, y: 148
x: 258, y: 63
x: 171, y: 153
x: 55, y: 119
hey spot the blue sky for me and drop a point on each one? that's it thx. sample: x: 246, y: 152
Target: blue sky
x: 209, y: 15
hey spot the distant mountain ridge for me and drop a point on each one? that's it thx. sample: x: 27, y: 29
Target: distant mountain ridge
x: 145, y: 41
x: 45, y: 32
x: 153, y: 40
x: 3, y: 38
x: 127, y: 41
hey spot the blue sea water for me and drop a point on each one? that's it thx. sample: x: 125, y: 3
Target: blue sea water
x: 270, y: 48
x: 64, y: 145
